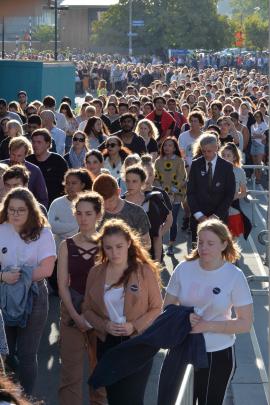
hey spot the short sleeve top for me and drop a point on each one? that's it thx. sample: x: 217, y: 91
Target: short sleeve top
x: 134, y: 216
x: 14, y: 251
x: 212, y: 293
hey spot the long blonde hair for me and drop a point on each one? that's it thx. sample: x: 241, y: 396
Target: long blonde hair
x: 232, y: 251
x: 153, y: 131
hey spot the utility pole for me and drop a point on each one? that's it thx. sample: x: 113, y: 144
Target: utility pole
x: 55, y: 29
x: 130, y: 29
x: 3, y: 37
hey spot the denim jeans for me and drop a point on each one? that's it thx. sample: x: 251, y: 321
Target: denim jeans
x: 174, y: 227
x: 24, y: 342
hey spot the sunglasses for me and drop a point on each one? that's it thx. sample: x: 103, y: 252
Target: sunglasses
x: 75, y: 139
x: 228, y: 111
x: 111, y: 145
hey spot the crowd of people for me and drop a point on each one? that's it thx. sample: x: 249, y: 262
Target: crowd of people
x: 89, y: 195
x: 91, y: 72
x: 234, y: 57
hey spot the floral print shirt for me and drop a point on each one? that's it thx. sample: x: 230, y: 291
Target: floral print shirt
x: 170, y: 174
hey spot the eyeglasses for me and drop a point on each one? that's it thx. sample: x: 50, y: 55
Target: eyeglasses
x: 111, y: 145
x: 19, y: 211
x: 75, y: 139
x: 228, y: 111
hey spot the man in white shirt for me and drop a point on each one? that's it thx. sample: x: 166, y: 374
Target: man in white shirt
x: 50, y: 104
x: 187, y: 138
x: 59, y: 136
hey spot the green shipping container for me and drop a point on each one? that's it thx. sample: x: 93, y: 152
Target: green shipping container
x: 38, y: 79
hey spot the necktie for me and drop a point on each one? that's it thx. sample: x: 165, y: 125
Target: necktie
x: 210, y: 175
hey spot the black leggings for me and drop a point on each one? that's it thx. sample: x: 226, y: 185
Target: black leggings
x: 210, y: 384
x: 129, y: 390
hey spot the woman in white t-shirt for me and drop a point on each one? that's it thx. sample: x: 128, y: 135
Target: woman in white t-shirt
x: 209, y: 282
x: 26, y: 240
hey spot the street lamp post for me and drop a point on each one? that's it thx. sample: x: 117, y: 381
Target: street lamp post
x: 130, y: 29
x: 3, y: 37
x: 55, y: 30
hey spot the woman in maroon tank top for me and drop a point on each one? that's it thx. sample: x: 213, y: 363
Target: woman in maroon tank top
x: 75, y: 259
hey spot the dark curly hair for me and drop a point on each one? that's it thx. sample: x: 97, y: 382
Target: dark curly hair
x: 82, y: 174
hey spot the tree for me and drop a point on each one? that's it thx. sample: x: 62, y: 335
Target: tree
x: 246, y: 8
x: 43, y: 33
x: 256, y: 31
x: 168, y: 24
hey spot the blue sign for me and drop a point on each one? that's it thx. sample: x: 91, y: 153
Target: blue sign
x: 177, y: 52
x: 138, y: 23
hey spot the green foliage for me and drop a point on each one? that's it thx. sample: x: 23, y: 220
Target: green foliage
x: 184, y: 24
x: 245, y: 8
x: 43, y: 33
x: 256, y: 31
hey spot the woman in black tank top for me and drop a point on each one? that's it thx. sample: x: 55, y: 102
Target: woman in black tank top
x: 75, y: 260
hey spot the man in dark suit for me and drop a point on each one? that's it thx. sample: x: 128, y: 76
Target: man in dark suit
x: 211, y: 185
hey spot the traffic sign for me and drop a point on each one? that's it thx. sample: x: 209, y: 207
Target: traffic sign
x: 132, y: 34
x: 137, y: 23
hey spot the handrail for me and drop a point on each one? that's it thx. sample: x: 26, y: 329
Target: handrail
x: 258, y: 192
x: 185, y: 395
x: 255, y: 167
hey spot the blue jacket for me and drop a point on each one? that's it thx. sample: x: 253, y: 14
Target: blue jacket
x: 16, y: 300
x: 171, y: 330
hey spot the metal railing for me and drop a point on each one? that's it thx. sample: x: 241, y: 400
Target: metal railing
x: 259, y: 167
x: 251, y: 194
x: 185, y: 395
x: 263, y: 238
x: 261, y: 279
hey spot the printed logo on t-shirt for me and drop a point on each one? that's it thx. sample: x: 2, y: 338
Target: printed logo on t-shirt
x: 134, y: 288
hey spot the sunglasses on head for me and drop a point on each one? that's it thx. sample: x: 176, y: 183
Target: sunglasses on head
x: 75, y: 139
x: 111, y: 145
